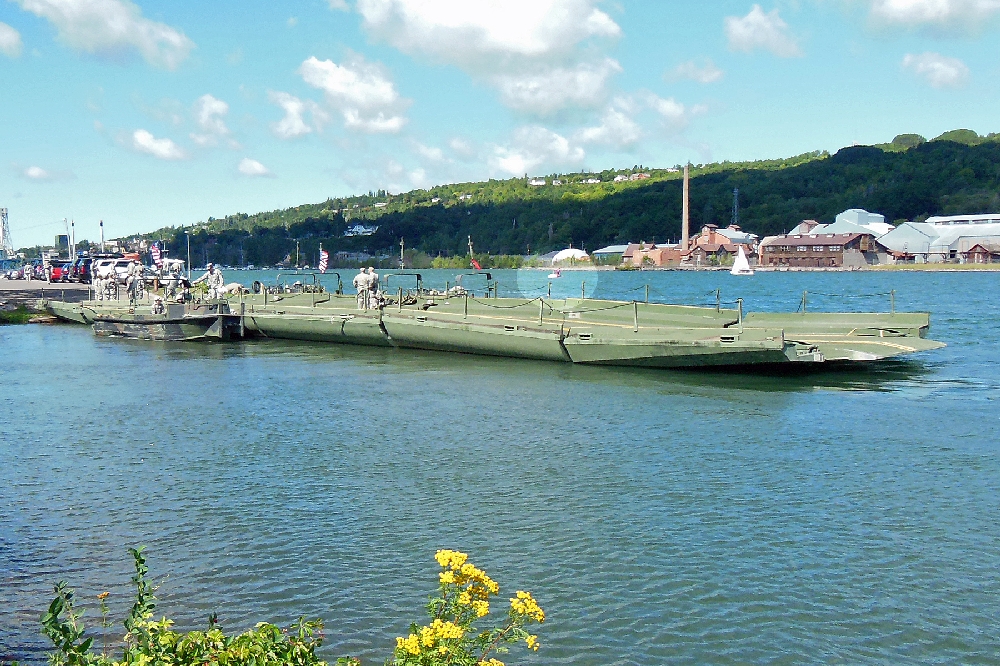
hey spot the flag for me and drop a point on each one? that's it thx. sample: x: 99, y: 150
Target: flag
x: 157, y: 256
x: 475, y: 264
x: 324, y: 258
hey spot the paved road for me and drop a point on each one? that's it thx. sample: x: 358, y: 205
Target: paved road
x: 21, y: 291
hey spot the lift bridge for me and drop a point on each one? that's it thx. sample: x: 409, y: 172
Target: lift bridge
x: 6, y: 244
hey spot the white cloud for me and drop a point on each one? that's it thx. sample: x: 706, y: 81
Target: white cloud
x: 946, y: 14
x: 163, y: 149
x: 462, y: 148
x: 208, y: 114
x: 706, y: 72
x: 539, y: 53
x: 294, y: 125
x: 937, y: 70
x: 430, y: 152
x: 550, y: 89
x: 457, y: 31
x: 361, y: 91
x: 112, y: 28
x: 10, y: 41
x: 535, y: 146
x: 292, y: 21
x: 253, y: 168
x: 758, y: 30
x: 36, y: 173
x: 617, y: 127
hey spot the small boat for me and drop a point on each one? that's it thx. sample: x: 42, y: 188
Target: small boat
x: 557, y: 273
x: 742, y: 265
x: 201, y: 321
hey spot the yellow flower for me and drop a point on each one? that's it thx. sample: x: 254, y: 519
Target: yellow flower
x: 443, y: 650
x: 464, y: 599
x: 411, y: 644
x: 446, y: 577
x: 491, y: 662
x: 532, y: 642
x: 481, y: 607
x: 525, y: 605
x: 450, y: 558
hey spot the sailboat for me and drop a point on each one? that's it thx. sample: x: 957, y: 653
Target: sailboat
x: 742, y: 265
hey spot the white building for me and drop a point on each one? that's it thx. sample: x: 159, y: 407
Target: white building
x: 942, y: 238
x: 536, y: 182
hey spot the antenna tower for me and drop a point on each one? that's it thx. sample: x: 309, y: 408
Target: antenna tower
x: 736, y: 208
x: 6, y: 244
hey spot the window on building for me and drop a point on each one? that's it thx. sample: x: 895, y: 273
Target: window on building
x: 802, y: 248
x: 819, y: 248
x: 836, y: 248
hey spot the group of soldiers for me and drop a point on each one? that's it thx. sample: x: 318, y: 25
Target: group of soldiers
x: 173, y: 282
x: 370, y: 297
x: 106, y: 285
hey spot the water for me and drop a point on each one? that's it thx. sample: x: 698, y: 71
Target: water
x: 658, y: 516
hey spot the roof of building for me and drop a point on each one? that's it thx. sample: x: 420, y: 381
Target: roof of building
x: 927, y: 237
x: 810, y: 239
x: 612, y: 249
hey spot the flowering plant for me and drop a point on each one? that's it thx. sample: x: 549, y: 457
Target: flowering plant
x: 463, y: 599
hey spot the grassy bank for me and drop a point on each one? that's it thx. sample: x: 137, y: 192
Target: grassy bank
x: 19, y: 315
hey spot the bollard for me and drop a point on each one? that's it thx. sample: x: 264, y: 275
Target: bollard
x: 635, y: 314
x: 739, y: 306
x: 583, y: 290
x: 399, y: 302
x: 647, y: 292
x: 541, y: 311
x: 466, y: 315
x: 892, y: 302
x: 718, y: 300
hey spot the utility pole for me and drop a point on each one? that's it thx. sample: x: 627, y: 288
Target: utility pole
x: 73, y: 227
x: 188, y: 234
x: 296, y: 253
x: 402, y: 264
x: 735, y: 221
x: 102, y: 236
x: 685, y: 210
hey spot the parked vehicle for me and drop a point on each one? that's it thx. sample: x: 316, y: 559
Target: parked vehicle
x: 80, y: 270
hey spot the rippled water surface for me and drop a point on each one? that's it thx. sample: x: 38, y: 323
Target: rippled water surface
x: 680, y: 517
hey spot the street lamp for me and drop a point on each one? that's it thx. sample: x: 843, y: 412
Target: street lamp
x: 188, y: 234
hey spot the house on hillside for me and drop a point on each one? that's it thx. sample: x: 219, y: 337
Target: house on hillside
x: 536, y: 182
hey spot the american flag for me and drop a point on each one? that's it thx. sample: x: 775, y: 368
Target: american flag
x: 157, y: 256
x: 324, y: 258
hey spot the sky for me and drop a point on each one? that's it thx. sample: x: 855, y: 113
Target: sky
x: 147, y: 114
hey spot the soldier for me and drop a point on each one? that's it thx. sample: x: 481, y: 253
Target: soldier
x: 373, y: 291
x: 98, y: 283
x: 361, y: 284
x: 213, y: 279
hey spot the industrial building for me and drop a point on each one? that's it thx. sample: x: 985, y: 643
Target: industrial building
x: 958, y: 238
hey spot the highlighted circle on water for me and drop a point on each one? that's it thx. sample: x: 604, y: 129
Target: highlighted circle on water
x: 570, y: 283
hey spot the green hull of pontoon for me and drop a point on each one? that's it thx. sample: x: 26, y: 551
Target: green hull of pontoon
x: 587, y: 331
x: 593, y: 331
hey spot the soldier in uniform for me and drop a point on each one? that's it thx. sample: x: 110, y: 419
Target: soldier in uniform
x: 214, y: 280
x: 361, y: 283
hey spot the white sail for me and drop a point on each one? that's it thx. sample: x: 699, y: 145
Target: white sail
x: 742, y: 265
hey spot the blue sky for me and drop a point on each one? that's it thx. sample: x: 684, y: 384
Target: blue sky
x: 149, y: 114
